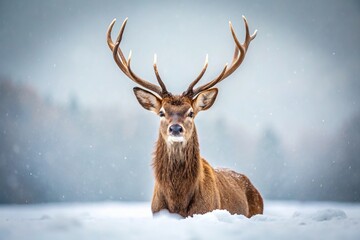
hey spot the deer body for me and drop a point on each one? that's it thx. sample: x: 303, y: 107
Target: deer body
x: 185, y: 183
x: 190, y: 186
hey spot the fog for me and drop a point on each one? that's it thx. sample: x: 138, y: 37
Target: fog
x: 72, y: 130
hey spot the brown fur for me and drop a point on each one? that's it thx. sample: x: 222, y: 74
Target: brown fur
x: 186, y: 184
x: 189, y: 185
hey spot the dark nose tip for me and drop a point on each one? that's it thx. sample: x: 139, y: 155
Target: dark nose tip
x: 175, y: 129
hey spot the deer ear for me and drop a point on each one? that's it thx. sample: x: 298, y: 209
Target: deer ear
x: 148, y: 100
x: 205, y: 100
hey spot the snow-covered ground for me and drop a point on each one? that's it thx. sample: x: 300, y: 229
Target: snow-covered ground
x: 118, y: 220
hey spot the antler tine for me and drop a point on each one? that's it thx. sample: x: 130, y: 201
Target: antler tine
x: 124, y: 64
x: 189, y: 91
x: 239, y: 55
x: 119, y: 38
x: 108, y: 35
x: 141, y: 81
x: 212, y: 83
x: 163, y: 87
x: 119, y: 61
x: 241, y: 48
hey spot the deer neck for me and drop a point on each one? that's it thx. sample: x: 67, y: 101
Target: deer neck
x: 177, y: 161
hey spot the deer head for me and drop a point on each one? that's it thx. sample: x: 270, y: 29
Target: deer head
x: 177, y: 112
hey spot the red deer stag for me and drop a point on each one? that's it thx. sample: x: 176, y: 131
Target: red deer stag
x: 185, y: 183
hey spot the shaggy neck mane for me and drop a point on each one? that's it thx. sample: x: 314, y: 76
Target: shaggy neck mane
x: 177, y: 164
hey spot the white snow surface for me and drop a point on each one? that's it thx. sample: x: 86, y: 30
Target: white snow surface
x: 119, y: 220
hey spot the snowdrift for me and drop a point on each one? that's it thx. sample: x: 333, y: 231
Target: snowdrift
x: 118, y: 220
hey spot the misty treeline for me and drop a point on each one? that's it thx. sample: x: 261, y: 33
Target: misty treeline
x: 50, y: 152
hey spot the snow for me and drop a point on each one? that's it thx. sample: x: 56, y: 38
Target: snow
x: 119, y: 220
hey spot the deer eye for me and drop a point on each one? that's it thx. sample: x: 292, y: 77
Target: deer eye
x: 161, y: 114
x: 191, y: 114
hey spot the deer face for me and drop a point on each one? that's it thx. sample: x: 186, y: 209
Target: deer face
x: 176, y: 113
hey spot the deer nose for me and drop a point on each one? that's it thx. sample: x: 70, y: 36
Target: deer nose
x: 175, y: 129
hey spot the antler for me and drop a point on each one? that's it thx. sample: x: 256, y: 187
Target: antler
x: 124, y: 64
x: 239, y: 55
